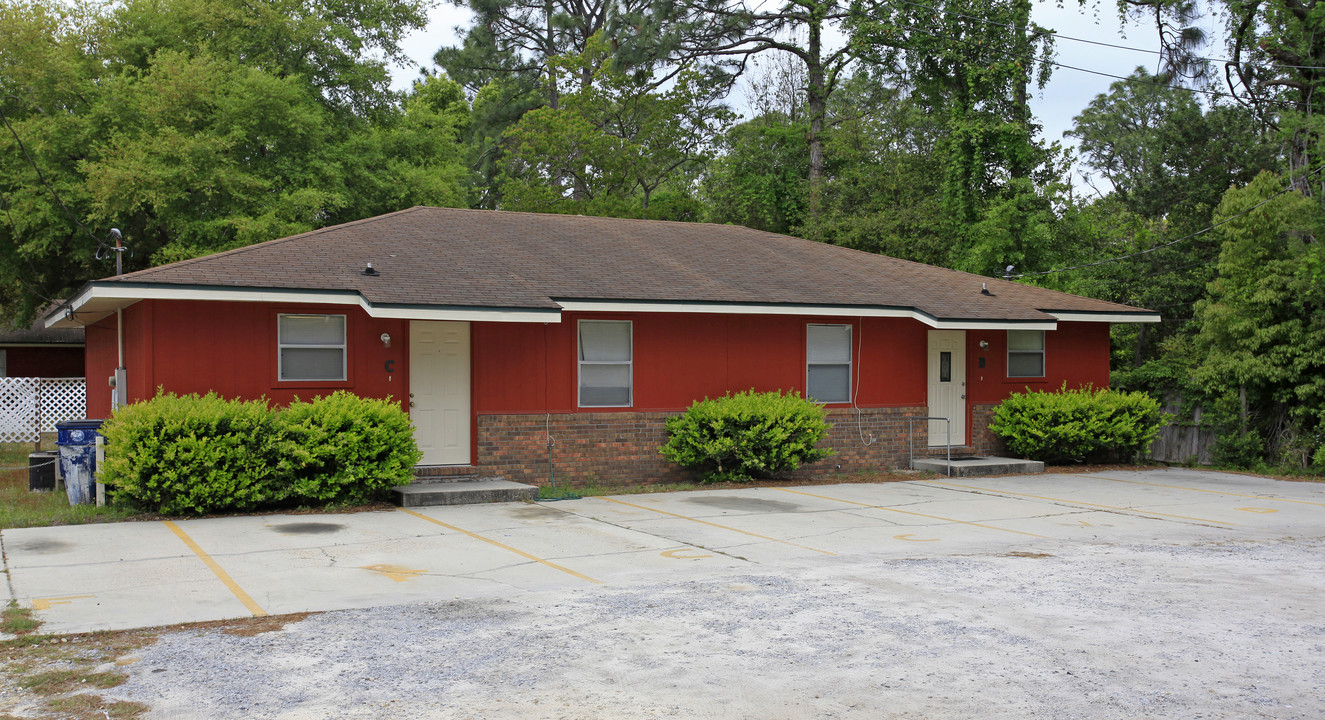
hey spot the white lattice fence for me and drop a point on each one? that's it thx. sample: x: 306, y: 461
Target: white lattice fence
x: 30, y: 406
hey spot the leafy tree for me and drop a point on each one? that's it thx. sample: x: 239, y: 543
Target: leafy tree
x: 1162, y: 152
x: 614, y: 139
x: 1262, y: 336
x: 164, y: 119
x: 720, y: 30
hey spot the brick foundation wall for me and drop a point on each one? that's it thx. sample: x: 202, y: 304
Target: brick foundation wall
x: 984, y: 442
x: 622, y: 447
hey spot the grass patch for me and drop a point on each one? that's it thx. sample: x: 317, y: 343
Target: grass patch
x: 57, y: 677
x: 59, y: 682
x: 16, y: 620
x: 86, y: 706
x: 21, y: 508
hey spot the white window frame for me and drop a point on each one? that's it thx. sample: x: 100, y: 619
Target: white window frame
x: 580, y: 363
x: 1044, y: 367
x: 343, y: 347
x: 850, y: 363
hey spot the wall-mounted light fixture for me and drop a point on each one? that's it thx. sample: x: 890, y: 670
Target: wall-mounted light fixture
x: 984, y: 344
x: 386, y: 339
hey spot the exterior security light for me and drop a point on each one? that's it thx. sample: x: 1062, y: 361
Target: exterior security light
x: 386, y: 339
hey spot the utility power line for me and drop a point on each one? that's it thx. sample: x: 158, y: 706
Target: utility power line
x: 1171, y: 243
x: 1098, y: 43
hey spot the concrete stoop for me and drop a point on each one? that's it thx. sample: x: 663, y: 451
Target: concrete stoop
x: 982, y: 465
x: 464, y: 491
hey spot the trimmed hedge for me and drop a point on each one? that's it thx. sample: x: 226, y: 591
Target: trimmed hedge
x: 1078, y: 425
x: 350, y: 448
x: 192, y: 455
x: 740, y: 437
x: 180, y: 455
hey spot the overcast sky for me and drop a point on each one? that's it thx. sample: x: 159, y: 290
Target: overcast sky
x: 1068, y: 91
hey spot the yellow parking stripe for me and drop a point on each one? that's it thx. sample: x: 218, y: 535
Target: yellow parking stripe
x: 221, y: 575
x: 908, y: 512
x: 1082, y: 502
x: 1180, y: 487
x: 490, y: 541
x: 712, y: 524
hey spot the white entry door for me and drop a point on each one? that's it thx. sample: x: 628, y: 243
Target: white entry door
x: 947, y: 386
x: 439, y: 390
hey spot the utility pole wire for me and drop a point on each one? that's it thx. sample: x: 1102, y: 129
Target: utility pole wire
x: 1171, y: 243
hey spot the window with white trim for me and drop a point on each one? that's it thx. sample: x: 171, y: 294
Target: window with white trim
x: 605, y: 359
x: 310, y: 347
x: 1025, y: 353
x: 828, y: 363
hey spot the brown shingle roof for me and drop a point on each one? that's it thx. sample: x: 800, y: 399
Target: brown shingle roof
x: 483, y: 258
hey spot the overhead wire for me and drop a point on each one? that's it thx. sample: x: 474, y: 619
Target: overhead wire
x: 42, y: 177
x: 1098, y: 43
x: 1130, y: 80
x: 1171, y: 243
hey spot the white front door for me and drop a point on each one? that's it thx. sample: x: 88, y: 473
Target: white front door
x: 439, y: 390
x: 947, y: 386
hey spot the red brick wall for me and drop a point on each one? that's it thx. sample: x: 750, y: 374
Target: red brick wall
x: 622, y: 447
x: 984, y: 442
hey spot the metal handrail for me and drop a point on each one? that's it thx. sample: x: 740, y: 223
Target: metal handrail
x: 910, y: 439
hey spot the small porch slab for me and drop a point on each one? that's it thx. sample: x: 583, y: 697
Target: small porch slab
x: 463, y: 492
x: 971, y: 466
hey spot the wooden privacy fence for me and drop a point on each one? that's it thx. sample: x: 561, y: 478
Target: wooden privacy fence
x: 31, y: 406
x: 1183, y: 440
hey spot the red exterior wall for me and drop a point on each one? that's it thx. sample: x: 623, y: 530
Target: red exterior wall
x: 524, y: 372
x: 47, y: 362
x: 679, y: 358
x: 195, y: 347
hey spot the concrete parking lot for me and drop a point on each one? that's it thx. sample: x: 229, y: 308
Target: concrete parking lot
x: 128, y: 575
x: 1160, y: 594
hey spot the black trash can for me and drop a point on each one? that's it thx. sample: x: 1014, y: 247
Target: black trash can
x: 77, y: 440
x: 41, y: 471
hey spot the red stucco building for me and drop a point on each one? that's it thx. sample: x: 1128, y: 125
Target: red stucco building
x: 523, y: 344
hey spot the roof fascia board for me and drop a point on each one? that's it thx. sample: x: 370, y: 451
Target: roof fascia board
x: 55, y: 345
x: 818, y: 310
x: 730, y: 308
x: 466, y: 314
x: 994, y: 325
x: 1105, y: 317
x: 125, y: 294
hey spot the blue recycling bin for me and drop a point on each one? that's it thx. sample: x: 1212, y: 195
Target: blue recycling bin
x: 77, y: 440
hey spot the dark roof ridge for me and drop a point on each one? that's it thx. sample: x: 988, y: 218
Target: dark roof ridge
x: 263, y: 244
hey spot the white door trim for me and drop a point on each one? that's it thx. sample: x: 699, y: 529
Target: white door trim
x: 439, y: 390
x: 946, y: 386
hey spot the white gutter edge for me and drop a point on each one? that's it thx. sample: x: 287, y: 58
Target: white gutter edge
x: 132, y: 294
x: 1107, y: 317
x: 825, y: 310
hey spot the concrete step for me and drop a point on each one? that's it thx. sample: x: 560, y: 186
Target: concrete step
x: 980, y: 465
x: 445, y: 473
x: 469, y: 492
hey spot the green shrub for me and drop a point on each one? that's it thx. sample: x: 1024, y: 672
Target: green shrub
x: 350, y: 449
x: 747, y: 435
x: 1085, y: 424
x: 193, y: 455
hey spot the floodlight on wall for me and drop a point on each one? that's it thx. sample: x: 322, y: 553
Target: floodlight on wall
x: 386, y: 339
x: 984, y: 344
